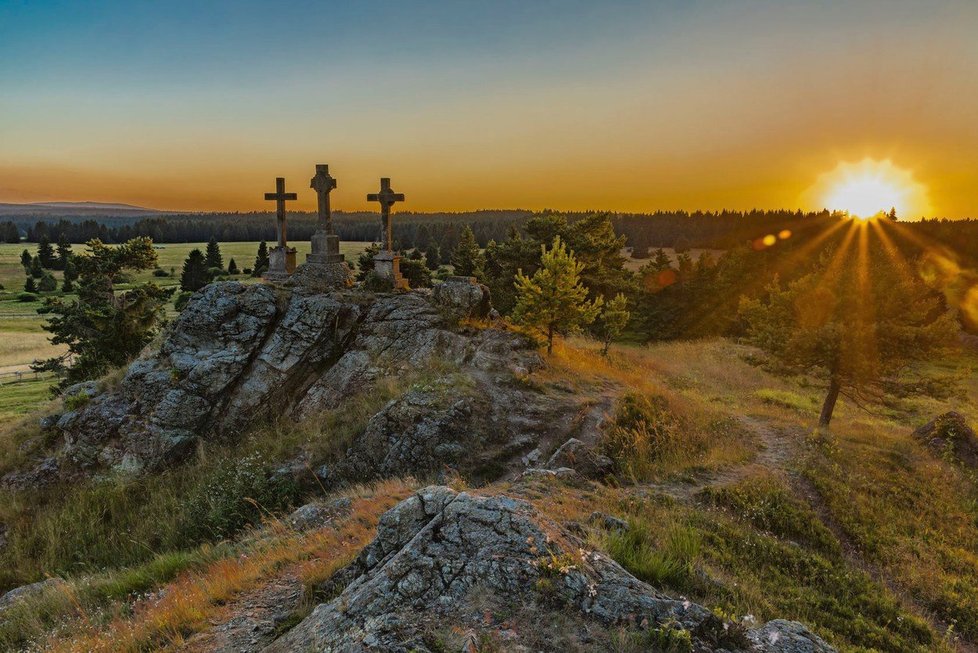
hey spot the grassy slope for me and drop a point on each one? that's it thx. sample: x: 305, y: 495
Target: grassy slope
x: 864, y: 535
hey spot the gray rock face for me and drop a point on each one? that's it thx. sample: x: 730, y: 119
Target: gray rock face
x: 437, y: 546
x: 238, y: 353
x: 463, y: 297
x: 780, y: 636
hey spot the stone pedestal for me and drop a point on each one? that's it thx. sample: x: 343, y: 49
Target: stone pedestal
x: 281, y: 263
x: 387, y: 265
x: 324, y: 268
x: 325, y: 248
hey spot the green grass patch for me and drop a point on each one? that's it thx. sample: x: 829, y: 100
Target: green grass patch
x: 786, y: 399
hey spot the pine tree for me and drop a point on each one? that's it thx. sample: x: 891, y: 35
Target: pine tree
x: 64, y: 252
x: 554, y: 299
x: 37, y: 270
x: 11, y: 234
x: 612, y: 321
x: 45, y: 252
x: 47, y: 283
x: 29, y: 285
x: 860, y: 322
x: 25, y: 259
x: 213, y: 257
x: 102, y: 329
x: 71, y: 272
x: 432, y: 256
x: 232, y: 267
x: 466, y: 258
x: 194, y: 275
x: 261, y: 260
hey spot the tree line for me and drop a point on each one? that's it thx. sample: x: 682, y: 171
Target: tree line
x: 679, y: 230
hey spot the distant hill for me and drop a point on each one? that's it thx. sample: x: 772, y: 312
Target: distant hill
x: 69, y: 209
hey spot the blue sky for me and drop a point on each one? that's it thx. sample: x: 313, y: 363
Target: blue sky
x: 474, y: 104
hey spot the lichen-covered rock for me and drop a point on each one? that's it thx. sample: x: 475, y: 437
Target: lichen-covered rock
x: 950, y: 434
x: 463, y: 297
x: 781, y: 636
x: 242, y: 352
x: 577, y: 455
x: 437, y: 546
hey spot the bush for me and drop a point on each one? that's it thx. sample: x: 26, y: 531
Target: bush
x: 246, y: 272
x: 373, y: 282
x: 642, y: 431
x: 160, y: 272
x: 27, y: 297
x: 181, y: 301
x: 238, y: 494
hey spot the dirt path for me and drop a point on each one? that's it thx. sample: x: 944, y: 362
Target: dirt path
x: 778, y: 448
x: 252, y: 619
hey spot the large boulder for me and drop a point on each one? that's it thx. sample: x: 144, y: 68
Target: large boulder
x: 238, y: 353
x: 463, y: 297
x: 438, y: 548
x: 950, y: 435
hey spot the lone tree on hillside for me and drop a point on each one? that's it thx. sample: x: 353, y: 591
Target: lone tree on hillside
x: 554, y: 299
x: 213, y: 255
x: 232, y: 267
x: 103, y: 329
x: 25, y: 259
x: 195, y: 274
x: 261, y: 260
x: 860, y: 322
x: 612, y: 321
x: 466, y: 258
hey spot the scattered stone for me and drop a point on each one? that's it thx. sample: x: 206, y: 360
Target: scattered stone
x: 27, y: 592
x: 42, y: 474
x: 540, y: 472
x: 781, y: 636
x: 577, y: 455
x: 949, y: 434
x: 608, y: 522
x: 313, y: 516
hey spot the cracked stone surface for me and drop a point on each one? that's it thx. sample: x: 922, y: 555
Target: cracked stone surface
x: 435, y: 547
x: 239, y: 353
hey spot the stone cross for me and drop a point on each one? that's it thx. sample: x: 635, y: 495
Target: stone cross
x: 280, y: 197
x: 387, y: 198
x: 322, y: 183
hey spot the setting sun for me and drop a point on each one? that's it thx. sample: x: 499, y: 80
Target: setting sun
x: 868, y: 187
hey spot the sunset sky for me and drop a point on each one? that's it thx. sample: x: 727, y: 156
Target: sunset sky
x: 629, y: 106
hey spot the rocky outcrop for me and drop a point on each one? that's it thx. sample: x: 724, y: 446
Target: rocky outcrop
x: 239, y: 352
x: 950, y: 435
x: 438, y: 548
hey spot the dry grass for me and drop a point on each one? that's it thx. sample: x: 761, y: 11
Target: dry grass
x: 22, y: 349
x: 164, y: 621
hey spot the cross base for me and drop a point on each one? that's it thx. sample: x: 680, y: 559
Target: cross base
x: 325, y: 248
x: 387, y: 265
x: 281, y: 263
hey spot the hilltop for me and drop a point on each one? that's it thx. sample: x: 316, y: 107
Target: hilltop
x: 403, y: 471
